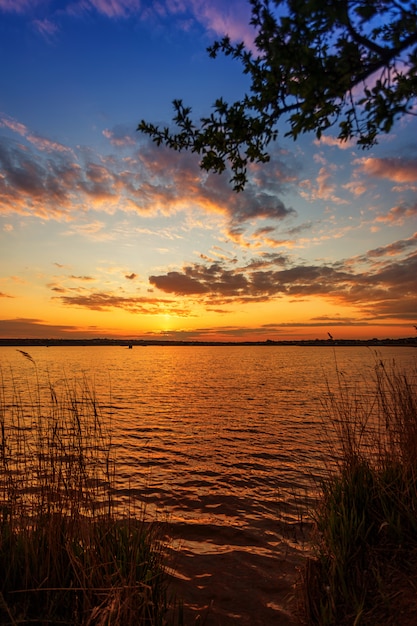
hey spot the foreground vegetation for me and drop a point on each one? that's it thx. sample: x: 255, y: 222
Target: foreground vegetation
x: 67, y: 554
x: 366, y: 544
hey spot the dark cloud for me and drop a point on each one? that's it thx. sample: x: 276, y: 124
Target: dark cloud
x: 392, y: 249
x: 36, y: 185
x: 389, y: 291
x: 131, y: 276
x: 31, y: 327
x: 106, y: 301
x: 296, y: 230
x: 171, y: 176
x: 246, y: 282
x: 264, y: 206
x: 175, y: 282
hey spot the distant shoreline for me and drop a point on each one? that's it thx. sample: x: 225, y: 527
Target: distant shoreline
x: 406, y: 342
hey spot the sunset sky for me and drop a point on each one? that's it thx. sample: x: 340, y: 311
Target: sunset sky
x: 103, y: 234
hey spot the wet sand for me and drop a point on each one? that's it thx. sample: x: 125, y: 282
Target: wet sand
x: 227, y: 577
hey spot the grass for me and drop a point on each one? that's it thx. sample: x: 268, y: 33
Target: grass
x: 68, y: 554
x: 366, y: 519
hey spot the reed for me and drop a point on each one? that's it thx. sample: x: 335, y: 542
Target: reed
x: 68, y: 554
x: 366, y: 519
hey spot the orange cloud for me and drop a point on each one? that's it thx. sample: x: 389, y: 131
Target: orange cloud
x: 397, y: 169
x: 397, y: 215
x: 324, y: 189
x: 119, y: 137
x: 41, y: 143
x: 356, y: 188
x: 106, y: 301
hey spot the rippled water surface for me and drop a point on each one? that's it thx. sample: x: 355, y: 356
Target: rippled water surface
x: 215, y: 438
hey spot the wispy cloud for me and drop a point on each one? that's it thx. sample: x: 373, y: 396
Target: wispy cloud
x: 115, y: 8
x: 231, y: 18
x: 216, y: 17
x: 20, y: 6
x: 41, y: 143
x: 47, y: 28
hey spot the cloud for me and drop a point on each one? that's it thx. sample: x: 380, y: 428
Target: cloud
x: 46, y: 179
x: 398, y: 169
x: 20, y: 6
x: 95, y: 231
x: 231, y: 18
x: 115, y: 8
x: 119, y: 137
x: 29, y: 185
x: 60, y: 265
x: 46, y: 28
x: 216, y: 17
x: 324, y: 189
x: 32, y: 327
x: 82, y: 278
x: 384, y: 291
x: 102, y: 301
x: 131, y: 276
x: 41, y: 143
x: 356, y: 187
x: 175, y: 282
x: 109, y: 8
x: 173, y: 179
x: 330, y: 141
x: 398, y: 215
x: 393, y: 249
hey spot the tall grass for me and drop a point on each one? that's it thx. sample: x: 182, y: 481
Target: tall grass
x: 68, y: 555
x: 366, y: 519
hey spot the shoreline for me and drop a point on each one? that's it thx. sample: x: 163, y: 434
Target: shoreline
x: 408, y: 342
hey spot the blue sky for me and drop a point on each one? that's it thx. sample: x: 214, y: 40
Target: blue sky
x: 104, y: 234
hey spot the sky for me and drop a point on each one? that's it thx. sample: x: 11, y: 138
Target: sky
x: 104, y: 234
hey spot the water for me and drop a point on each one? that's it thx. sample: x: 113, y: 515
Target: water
x: 225, y: 443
